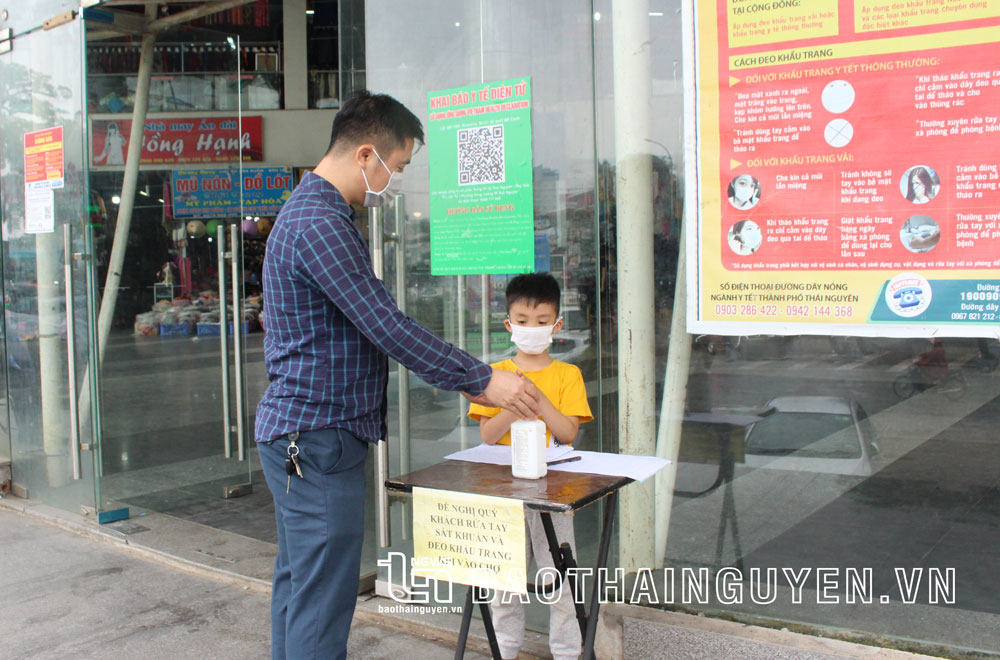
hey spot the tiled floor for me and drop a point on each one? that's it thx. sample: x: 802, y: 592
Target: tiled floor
x: 251, y: 515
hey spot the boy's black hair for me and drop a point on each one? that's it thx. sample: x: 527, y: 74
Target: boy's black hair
x: 533, y: 288
x: 376, y: 118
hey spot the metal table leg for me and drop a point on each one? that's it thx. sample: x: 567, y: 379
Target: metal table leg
x: 602, y: 562
x: 491, y: 634
x: 562, y: 559
x: 565, y: 563
x: 463, y: 632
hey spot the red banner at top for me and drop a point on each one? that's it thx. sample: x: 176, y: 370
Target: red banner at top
x: 179, y: 140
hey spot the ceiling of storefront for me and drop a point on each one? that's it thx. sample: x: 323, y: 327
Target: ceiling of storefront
x: 131, y: 16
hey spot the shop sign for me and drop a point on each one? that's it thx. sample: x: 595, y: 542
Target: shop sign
x: 217, y: 193
x: 177, y: 141
x: 481, y: 188
x: 842, y: 173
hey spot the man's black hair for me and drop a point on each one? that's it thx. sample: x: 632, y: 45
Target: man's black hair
x: 533, y: 288
x: 376, y: 118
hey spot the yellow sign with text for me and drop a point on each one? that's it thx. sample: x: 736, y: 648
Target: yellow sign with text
x: 755, y: 23
x: 469, y: 539
x: 871, y: 15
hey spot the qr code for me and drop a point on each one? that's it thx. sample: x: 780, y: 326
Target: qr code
x: 480, y: 155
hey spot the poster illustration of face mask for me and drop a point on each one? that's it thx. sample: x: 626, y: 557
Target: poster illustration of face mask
x: 744, y: 192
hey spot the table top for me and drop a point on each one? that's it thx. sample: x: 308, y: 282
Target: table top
x: 557, y: 491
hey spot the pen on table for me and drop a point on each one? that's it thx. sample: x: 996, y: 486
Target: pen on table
x: 564, y: 460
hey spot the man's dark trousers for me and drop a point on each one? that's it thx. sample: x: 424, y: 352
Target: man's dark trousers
x: 320, y: 531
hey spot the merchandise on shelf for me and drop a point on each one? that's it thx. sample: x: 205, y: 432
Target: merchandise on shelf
x: 184, y: 316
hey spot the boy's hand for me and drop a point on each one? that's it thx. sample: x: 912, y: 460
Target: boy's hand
x: 512, y: 391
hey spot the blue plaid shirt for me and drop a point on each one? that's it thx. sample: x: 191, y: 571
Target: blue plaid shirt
x: 331, y: 323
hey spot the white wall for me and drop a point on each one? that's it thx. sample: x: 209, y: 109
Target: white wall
x: 296, y: 137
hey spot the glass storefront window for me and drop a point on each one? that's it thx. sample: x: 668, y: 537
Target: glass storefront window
x: 796, y: 452
x: 849, y: 463
x: 188, y: 74
x: 335, y: 50
x: 185, y: 239
x: 855, y: 463
x: 466, y: 44
x: 44, y: 214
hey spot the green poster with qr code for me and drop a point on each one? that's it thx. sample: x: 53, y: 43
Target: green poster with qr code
x: 481, y: 200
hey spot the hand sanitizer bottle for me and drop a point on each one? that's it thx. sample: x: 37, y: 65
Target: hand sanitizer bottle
x: 527, y: 439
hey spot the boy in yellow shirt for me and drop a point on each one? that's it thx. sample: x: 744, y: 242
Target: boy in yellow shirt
x: 532, y: 317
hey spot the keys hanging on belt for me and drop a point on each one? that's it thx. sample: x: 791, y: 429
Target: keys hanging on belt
x: 292, y: 462
x: 289, y: 470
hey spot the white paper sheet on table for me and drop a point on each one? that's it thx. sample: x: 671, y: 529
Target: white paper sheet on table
x: 638, y: 468
x: 501, y: 454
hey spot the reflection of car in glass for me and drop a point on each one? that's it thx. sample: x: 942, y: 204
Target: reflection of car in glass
x: 422, y: 395
x: 453, y: 437
x: 569, y: 344
x: 750, y: 347
x: 812, y: 434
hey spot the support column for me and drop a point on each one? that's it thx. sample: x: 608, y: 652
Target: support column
x: 51, y: 357
x: 636, y: 304
x: 668, y: 439
x: 295, y: 59
x: 124, y: 223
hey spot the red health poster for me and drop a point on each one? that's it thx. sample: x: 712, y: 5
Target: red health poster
x: 43, y: 158
x: 843, y: 147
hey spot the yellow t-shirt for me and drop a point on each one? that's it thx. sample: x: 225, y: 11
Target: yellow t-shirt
x: 561, y: 382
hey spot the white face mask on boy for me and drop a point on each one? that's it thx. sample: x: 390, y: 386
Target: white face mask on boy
x: 532, y: 339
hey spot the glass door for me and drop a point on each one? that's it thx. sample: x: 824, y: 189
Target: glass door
x: 551, y: 46
x: 44, y: 217
x: 183, y: 355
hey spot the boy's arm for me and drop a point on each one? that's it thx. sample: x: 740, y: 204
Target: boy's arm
x: 491, y: 429
x: 564, y: 428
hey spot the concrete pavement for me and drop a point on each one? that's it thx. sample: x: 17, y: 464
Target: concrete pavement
x: 66, y: 596
x: 73, y: 590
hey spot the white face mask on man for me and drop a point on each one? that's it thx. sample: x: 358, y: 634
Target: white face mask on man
x: 532, y: 339
x: 379, y: 198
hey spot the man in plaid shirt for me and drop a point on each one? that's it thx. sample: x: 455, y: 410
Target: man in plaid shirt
x: 331, y: 327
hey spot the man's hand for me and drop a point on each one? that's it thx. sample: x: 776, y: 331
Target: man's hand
x: 511, y: 391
